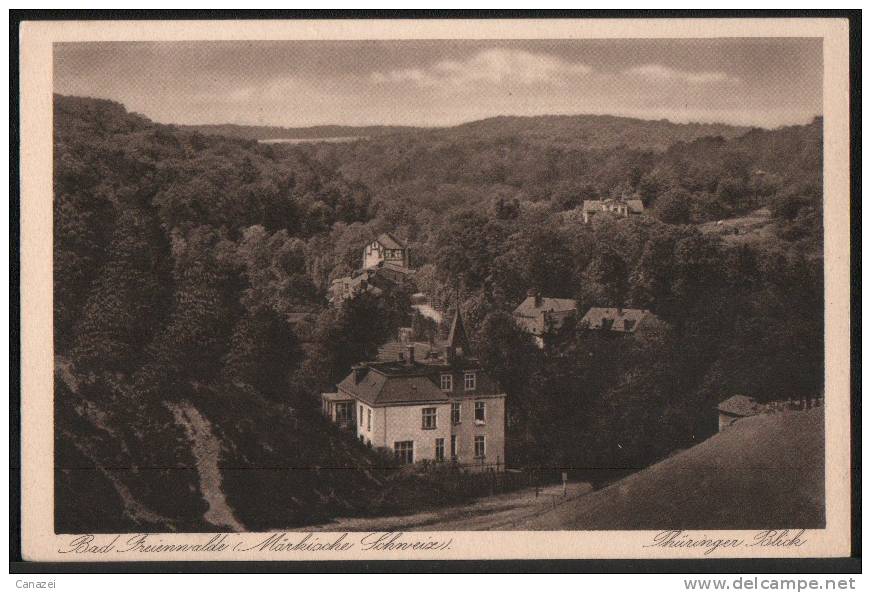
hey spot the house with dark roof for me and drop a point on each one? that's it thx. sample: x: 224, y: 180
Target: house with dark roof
x: 619, y: 320
x: 742, y: 406
x: 737, y: 407
x: 385, y: 262
x: 440, y: 406
x: 538, y: 315
x: 387, y: 251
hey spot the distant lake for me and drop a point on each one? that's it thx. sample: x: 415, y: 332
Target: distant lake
x: 302, y: 140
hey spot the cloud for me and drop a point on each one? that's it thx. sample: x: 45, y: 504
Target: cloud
x: 658, y: 72
x: 493, y: 66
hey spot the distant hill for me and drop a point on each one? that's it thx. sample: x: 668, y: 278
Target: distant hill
x: 591, y: 131
x: 764, y: 472
x: 313, y: 133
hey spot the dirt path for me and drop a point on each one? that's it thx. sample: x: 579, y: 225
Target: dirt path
x: 206, y: 450
x: 502, y: 511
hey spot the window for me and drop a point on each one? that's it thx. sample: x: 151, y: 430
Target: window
x: 454, y: 447
x: 403, y: 451
x: 428, y: 418
x: 368, y: 419
x: 361, y: 416
x: 447, y: 382
x: 469, y: 380
x: 344, y: 412
x: 480, y: 447
x: 480, y: 412
x: 455, y: 412
x: 440, y: 450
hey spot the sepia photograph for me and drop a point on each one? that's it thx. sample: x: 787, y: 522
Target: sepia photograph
x: 380, y: 286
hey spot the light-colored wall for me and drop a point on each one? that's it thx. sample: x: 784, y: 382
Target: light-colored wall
x: 374, y: 253
x: 364, y: 429
x: 493, y: 430
x: 404, y: 423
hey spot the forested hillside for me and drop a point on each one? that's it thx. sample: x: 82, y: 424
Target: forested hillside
x: 191, y: 272
x: 312, y: 133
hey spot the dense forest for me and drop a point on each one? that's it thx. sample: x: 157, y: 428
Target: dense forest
x: 191, y: 273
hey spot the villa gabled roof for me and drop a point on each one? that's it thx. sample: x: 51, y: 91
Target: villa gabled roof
x: 548, y: 304
x: 551, y: 313
x: 388, y: 241
x: 379, y: 386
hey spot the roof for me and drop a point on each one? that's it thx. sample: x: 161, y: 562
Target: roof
x: 532, y: 318
x: 390, y: 242
x: 392, y: 380
x: 740, y: 405
x: 528, y: 308
x: 391, y: 350
x: 623, y: 320
x: 377, y: 387
x: 635, y: 206
x: 428, y: 311
x: 457, y: 337
x: 592, y: 205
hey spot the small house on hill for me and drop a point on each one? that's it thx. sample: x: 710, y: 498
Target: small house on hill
x: 385, y: 263
x: 538, y: 315
x: 741, y: 406
x: 737, y: 407
x: 388, y: 251
x: 620, y: 320
x: 442, y: 406
x: 621, y: 207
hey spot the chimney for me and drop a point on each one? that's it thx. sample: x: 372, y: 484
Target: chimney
x: 359, y: 372
x: 533, y: 292
x: 410, y: 358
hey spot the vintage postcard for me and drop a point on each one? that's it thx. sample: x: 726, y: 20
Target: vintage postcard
x: 448, y: 289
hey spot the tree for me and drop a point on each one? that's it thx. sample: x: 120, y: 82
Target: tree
x: 127, y: 298
x: 608, y: 269
x: 263, y: 352
x: 673, y: 207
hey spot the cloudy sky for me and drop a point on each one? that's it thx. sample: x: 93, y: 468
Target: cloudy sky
x: 764, y: 82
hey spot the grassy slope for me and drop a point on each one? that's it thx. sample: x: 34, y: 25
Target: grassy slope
x: 756, y: 226
x: 765, y: 472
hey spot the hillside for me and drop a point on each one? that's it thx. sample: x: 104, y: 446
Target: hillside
x: 764, y: 472
x: 193, y: 333
x: 591, y: 131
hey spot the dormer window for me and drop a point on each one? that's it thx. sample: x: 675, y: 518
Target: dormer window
x: 470, y: 381
x: 447, y: 382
